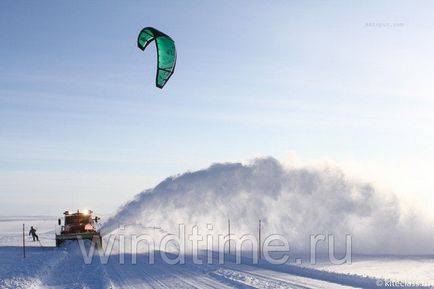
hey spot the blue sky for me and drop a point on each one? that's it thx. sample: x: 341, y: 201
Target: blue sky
x: 82, y: 125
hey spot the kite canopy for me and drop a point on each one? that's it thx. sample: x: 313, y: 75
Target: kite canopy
x: 166, y: 53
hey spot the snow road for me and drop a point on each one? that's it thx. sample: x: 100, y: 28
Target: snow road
x: 65, y: 268
x: 49, y: 267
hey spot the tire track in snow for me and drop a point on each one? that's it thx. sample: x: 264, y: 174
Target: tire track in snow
x: 71, y: 272
x: 253, y: 281
x: 260, y: 278
x: 160, y: 275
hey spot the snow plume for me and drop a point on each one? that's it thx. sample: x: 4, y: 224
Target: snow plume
x: 291, y: 201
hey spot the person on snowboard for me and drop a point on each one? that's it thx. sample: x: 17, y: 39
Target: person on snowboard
x: 33, y: 233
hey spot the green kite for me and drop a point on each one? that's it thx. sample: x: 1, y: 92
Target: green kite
x: 166, y: 53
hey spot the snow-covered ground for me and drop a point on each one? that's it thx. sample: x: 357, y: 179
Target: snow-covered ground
x: 402, y: 268
x: 49, y: 267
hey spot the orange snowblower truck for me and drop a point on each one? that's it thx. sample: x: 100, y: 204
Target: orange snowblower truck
x: 78, y: 226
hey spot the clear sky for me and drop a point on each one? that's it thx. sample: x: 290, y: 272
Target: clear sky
x: 82, y: 124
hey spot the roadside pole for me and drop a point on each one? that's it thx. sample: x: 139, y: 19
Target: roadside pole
x: 24, y: 242
x: 229, y: 235
x: 259, y: 241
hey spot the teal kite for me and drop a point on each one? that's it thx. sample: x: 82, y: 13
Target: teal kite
x: 166, y: 51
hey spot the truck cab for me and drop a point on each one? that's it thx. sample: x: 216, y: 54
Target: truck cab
x: 77, y: 226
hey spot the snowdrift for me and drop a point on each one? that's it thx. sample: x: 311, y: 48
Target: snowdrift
x: 292, y: 201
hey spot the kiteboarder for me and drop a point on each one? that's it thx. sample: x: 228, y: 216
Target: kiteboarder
x: 33, y: 233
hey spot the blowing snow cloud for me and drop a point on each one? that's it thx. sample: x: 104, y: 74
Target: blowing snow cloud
x: 294, y: 202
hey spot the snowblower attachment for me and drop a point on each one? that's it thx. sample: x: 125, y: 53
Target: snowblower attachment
x: 78, y: 226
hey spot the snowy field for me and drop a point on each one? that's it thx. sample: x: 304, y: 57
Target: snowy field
x: 49, y: 267
x: 401, y: 268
